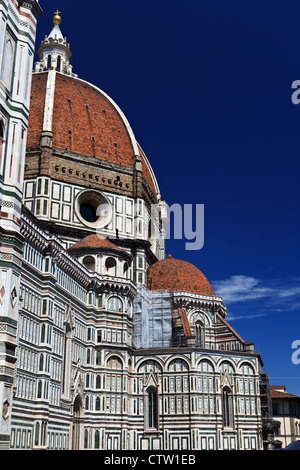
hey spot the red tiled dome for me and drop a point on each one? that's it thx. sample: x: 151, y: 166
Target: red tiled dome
x: 175, y: 275
x: 85, y: 121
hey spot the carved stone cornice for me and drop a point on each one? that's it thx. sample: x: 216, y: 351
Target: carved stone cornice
x: 31, y: 5
x: 50, y: 244
x: 207, y: 302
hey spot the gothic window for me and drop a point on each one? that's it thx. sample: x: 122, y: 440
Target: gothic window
x: 37, y: 434
x: 98, y: 358
x: 98, y: 381
x: 86, y: 438
x: 41, y: 366
x: 199, y: 334
x: 40, y: 385
x: 97, y: 404
x: 8, y: 57
x: 58, y: 66
x: 97, y: 440
x: 88, y: 356
x: 227, y: 407
x: 43, y: 331
x: 152, y: 408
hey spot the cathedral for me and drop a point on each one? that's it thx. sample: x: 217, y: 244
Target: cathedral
x: 107, y: 341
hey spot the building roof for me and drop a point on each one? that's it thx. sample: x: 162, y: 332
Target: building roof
x: 93, y: 241
x: 279, y: 391
x: 176, y: 275
x: 85, y: 121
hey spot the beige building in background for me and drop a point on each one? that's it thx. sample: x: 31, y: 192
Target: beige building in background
x: 286, y: 410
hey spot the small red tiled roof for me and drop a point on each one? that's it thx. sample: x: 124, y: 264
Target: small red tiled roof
x: 94, y: 241
x: 278, y: 391
x: 176, y: 275
x: 185, y: 322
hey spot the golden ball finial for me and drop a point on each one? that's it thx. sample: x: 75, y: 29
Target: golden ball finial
x: 57, y: 18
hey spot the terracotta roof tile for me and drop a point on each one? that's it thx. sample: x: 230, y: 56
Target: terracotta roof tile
x: 94, y: 241
x: 276, y: 393
x: 85, y: 122
x: 185, y: 322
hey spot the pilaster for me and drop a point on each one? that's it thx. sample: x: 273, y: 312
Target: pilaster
x: 18, y: 27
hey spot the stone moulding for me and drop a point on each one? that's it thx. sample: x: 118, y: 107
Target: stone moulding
x: 90, y: 281
x: 207, y: 302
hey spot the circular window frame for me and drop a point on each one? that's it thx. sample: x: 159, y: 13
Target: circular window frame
x: 95, y: 199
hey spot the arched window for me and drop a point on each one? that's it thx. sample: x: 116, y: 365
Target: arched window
x: 43, y: 331
x: 114, y: 304
x: 152, y: 408
x: 40, y: 386
x: 110, y: 266
x: 7, y: 63
x: 41, y: 366
x: 89, y: 263
x: 98, y: 358
x: 97, y: 440
x: 86, y: 439
x: 199, y: 334
x: 58, y: 64
x: 97, y: 404
x: 125, y: 270
x: 87, y: 402
x: 88, y: 356
x: 227, y: 407
x: 37, y: 434
x: 49, y: 61
x: 150, y: 228
x: 98, y: 381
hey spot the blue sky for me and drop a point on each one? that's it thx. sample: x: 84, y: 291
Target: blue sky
x: 206, y: 87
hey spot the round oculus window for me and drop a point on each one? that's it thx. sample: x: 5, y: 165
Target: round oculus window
x: 93, y: 209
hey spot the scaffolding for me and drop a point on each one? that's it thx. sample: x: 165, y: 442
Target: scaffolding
x: 152, y: 319
x: 269, y: 425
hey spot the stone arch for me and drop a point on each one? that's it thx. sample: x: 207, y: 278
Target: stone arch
x: 248, y: 364
x: 180, y: 362
x: 226, y: 361
x: 150, y: 364
x: 115, y: 303
x: 119, y: 361
x: 198, y: 315
x: 208, y: 361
